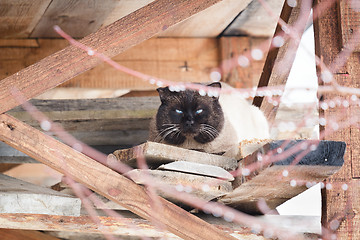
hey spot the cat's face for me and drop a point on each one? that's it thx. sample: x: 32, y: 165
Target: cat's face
x: 187, y: 114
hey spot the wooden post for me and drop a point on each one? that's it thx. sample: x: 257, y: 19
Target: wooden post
x: 103, y: 180
x: 110, y: 40
x: 341, y: 203
x: 279, y: 60
x: 240, y: 77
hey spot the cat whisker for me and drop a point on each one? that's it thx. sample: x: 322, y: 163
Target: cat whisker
x: 209, y: 130
x: 172, y: 129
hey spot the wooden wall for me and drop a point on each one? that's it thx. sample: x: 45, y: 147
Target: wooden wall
x: 175, y: 59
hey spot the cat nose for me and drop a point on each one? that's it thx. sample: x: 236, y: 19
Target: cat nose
x: 189, y: 123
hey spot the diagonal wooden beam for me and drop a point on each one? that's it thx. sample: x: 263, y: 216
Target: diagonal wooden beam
x: 103, y: 180
x: 110, y: 40
x: 279, y: 61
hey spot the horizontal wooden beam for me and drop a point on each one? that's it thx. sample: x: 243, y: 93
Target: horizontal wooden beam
x: 130, y: 226
x: 175, y: 59
x: 103, y: 180
x: 110, y: 40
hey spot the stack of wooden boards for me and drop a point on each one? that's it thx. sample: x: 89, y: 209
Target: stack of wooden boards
x: 275, y: 172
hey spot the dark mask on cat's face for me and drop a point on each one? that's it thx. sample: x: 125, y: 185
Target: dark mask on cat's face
x: 188, y: 114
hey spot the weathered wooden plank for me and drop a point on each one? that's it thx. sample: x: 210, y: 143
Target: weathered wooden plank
x: 157, y: 154
x: 116, y: 121
x: 196, y: 184
x: 338, y: 204
x: 279, y: 61
x: 123, y: 8
x: 19, y: 17
x: 270, y: 183
x: 95, y: 109
x: 15, y: 234
x: 210, y: 22
x: 77, y: 18
x: 84, y: 224
x: 111, y: 40
x: 136, y: 227
x: 274, y: 188
x: 23, y: 43
x: 250, y: 23
x: 103, y: 180
x: 17, y: 196
x: 350, y: 22
x: 198, y: 169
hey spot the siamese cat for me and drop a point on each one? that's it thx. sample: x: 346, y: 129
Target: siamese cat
x: 212, y: 124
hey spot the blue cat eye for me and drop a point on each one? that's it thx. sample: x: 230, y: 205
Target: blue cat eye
x: 199, y: 111
x: 178, y: 111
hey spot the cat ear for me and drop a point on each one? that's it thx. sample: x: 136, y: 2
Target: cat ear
x: 215, y: 85
x: 164, y: 94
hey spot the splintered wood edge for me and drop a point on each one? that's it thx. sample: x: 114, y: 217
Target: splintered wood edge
x: 161, y: 153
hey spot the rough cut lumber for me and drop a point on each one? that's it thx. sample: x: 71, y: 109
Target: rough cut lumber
x: 255, y: 20
x: 135, y: 227
x: 268, y: 182
x: 18, y: 18
x: 111, y: 40
x: 350, y: 20
x: 198, y: 169
x: 77, y: 18
x: 121, y: 122
x: 214, y: 187
x: 274, y: 188
x: 15, y: 234
x: 157, y: 154
x: 337, y: 204
x: 210, y: 22
x: 103, y: 180
x: 17, y: 196
x: 240, y: 77
x: 84, y: 224
x: 279, y: 61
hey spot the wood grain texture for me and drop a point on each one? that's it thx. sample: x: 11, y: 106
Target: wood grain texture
x: 175, y: 59
x: 216, y: 187
x: 279, y: 61
x: 19, y: 17
x: 210, y: 22
x: 77, y: 18
x: 18, y: 196
x: 132, y: 226
x: 111, y: 40
x: 157, y: 154
x: 267, y: 181
x: 339, y: 204
x: 15, y: 234
x: 123, y: 8
x: 135, y: 227
x: 103, y: 180
x: 249, y: 22
x: 350, y: 22
x: 240, y: 77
